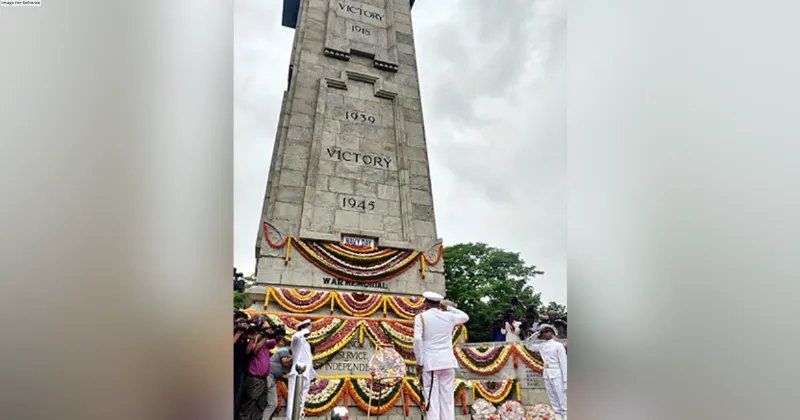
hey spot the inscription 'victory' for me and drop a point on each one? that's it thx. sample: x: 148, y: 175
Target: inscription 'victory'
x: 361, y: 12
x: 362, y: 158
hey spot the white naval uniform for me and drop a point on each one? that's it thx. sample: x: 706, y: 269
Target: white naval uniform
x: 554, y: 373
x: 433, y: 350
x: 301, y: 353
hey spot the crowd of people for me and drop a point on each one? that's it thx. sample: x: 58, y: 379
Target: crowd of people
x: 261, y: 358
x: 511, y: 327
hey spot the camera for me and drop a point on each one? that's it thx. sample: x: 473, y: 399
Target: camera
x: 238, y: 281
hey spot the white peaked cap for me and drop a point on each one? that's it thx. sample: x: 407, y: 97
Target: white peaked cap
x: 433, y: 296
x: 304, y: 323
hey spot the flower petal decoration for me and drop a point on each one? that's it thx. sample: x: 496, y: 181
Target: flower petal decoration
x: 540, y: 412
x: 511, y: 410
x: 483, y: 410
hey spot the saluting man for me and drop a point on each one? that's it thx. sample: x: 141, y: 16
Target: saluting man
x: 433, y: 349
x: 301, y: 352
x: 554, y: 356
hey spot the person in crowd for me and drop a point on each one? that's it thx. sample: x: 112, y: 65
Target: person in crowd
x: 240, y: 327
x: 554, y: 373
x: 301, y: 353
x: 280, y: 363
x: 433, y: 350
x: 512, y: 329
x: 496, y: 328
x: 255, y: 378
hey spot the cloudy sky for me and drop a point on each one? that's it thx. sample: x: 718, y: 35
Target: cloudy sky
x: 493, y: 97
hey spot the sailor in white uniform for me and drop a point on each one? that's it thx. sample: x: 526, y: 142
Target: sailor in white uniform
x: 554, y: 356
x: 433, y: 350
x: 301, y: 353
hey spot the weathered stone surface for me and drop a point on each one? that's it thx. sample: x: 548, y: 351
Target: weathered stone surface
x: 348, y: 162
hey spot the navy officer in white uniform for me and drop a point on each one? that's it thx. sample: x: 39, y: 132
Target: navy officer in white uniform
x: 433, y: 350
x: 554, y: 356
x: 301, y: 353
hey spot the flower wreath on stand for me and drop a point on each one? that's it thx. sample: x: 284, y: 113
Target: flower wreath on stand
x: 540, y: 412
x: 511, y: 410
x: 483, y: 410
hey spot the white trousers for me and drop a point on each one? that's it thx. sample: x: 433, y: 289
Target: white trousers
x: 556, y: 395
x: 290, y: 399
x: 441, y: 404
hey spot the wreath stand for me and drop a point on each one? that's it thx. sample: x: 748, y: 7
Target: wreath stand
x: 379, y: 378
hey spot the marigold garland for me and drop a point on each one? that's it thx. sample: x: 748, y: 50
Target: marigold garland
x: 459, y: 333
x: 354, y: 304
x: 405, y: 307
x: 483, y: 360
x: 532, y: 359
x: 359, y: 304
x: 299, y: 300
x: 352, y: 265
x: 327, y: 391
x: 329, y: 334
x: 323, y: 394
x: 383, y: 397
x: 495, y: 391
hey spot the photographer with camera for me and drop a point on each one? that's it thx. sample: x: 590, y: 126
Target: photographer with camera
x: 240, y: 327
x: 280, y: 363
x: 497, y: 328
x: 260, y: 340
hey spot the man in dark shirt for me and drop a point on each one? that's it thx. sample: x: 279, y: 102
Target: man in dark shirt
x: 280, y: 364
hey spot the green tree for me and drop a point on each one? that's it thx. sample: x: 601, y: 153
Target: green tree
x: 559, y: 309
x: 481, y: 280
x: 238, y: 300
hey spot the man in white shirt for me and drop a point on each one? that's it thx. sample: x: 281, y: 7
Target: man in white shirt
x: 512, y: 331
x: 433, y: 350
x: 301, y: 353
x: 554, y: 356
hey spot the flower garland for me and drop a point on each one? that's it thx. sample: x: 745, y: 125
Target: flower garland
x: 496, y: 392
x: 459, y: 334
x: 532, y: 359
x: 329, y: 334
x: 383, y: 397
x: 323, y: 394
x: 298, y: 300
x: 460, y: 394
x: 354, y: 265
x: 327, y: 391
x: 484, y: 360
x: 302, y: 301
x: 405, y: 307
x: 359, y: 304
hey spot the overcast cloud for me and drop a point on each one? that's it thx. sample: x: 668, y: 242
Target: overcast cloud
x: 493, y: 97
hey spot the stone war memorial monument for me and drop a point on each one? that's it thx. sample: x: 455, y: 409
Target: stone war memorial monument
x: 347, y: 236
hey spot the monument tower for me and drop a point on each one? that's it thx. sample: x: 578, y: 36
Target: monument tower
x: 347, y: 235
x: 350, y: 163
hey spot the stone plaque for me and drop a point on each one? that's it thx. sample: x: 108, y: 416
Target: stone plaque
x: 353, y: 359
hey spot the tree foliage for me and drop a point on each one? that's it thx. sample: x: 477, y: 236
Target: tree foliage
x: 559, y: 309
x: 238, y: 300
x: 481, y: 280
